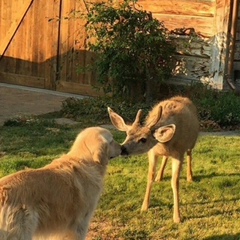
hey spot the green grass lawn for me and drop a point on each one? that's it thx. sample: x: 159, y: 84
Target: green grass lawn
x: 210, y: 206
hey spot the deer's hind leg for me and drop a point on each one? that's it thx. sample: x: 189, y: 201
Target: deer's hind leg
x: 160, y: 173
x: 189, y: 166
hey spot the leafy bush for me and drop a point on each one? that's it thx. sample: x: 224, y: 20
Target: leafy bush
x: 216, y: 109
x: 214, y: 106
x: 96, y: 108
x: 21, y: 120
x: 133, y: 50
x: 222, y: 108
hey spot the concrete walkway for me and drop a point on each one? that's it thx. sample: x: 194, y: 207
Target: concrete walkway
x: 18, y: 100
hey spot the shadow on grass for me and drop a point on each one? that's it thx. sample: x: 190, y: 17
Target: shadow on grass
x: 224, y: 237
x: 132, y: 235
x: 198, y: 178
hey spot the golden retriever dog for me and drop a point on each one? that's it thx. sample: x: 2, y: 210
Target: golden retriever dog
x: 58, y: 200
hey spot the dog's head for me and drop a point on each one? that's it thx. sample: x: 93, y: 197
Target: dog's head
x: 95, y: 143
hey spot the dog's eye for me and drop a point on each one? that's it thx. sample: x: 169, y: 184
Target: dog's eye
x: 143, y: 140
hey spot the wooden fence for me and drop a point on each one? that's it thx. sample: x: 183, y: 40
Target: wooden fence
x: 42, y: 46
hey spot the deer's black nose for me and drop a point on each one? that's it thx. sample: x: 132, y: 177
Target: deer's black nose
x: 124, y: 151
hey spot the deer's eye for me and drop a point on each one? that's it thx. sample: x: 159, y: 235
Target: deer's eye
x: 143, y: 140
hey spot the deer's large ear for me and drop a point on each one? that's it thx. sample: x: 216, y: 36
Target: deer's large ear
x: 154, y: 118
x: 117, y: 120
x: 164, y: 134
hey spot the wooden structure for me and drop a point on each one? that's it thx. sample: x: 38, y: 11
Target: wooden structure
x: 207, y: 33
x: 43, y: 46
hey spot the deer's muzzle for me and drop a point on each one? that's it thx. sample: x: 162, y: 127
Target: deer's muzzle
x: 124, y: 151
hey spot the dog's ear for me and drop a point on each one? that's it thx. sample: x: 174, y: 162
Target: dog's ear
x: 100, y: 154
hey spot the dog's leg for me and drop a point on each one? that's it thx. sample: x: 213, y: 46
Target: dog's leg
x: 75, y: 235
x: 79, y: 232
x: 82, y: 230
x: 20, y: 223
x: 3, y: 235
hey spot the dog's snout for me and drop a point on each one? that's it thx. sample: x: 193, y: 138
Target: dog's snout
x: 124, y: 151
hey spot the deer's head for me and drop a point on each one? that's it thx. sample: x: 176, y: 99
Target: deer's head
x: 141, y: 138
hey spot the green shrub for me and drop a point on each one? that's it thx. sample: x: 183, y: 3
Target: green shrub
x: 222, y: 108
x: 134, y: 53
x: 95, y: 109
x: 219, y: 109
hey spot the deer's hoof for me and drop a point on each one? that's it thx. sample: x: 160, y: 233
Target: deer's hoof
x: 177, y: 220
x: 144, y: 208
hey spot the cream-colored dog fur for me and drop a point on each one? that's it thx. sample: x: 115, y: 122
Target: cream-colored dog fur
x: 58, y: 200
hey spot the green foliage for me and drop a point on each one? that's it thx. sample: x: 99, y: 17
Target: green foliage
x: 27, y: 120
x: 216, y: 109
x: 223, y: 108
x: 219, y: 107
x: 96, y: 109
x: 133, y: 50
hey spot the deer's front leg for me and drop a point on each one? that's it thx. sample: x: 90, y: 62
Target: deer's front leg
x: 176, y: 169
x: 152, y: 158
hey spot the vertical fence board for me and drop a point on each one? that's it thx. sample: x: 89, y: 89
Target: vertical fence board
x: 30, y: 57
x: 73, y: 54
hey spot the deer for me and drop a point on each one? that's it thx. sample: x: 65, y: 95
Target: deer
x: 170, y: 130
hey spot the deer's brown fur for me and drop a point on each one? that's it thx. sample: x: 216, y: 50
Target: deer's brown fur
x: 170, y: 130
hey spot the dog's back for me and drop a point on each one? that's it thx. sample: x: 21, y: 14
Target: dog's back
x: 49, y: 199
x: 58, y: 198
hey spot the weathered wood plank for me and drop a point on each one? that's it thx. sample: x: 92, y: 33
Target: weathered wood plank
x: 78, y: 88
x: 50, y: 43
x: 191, y: 67
x: 179, y: 7
x: 6, y: 16
x: 33, y: 49
x: 238, y: 29
x: 73, y: 50
x: 202, y: 25
x: 24, y: 80
x: 192, y: 46
x: 220, y: 49
x: 80, y: 36
x: 237, y: 51
x: 66, y: 41
x: 15, y: 23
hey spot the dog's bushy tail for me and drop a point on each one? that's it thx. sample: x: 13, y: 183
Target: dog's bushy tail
x: 3, y: 235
